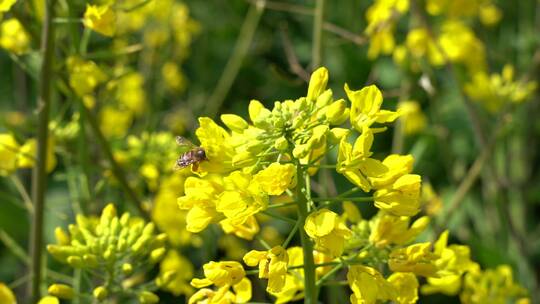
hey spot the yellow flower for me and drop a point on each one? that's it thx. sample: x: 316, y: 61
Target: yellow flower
x: 351, y: 212
x: 366, y: 107
x: 130, y: 93
x: 368, y: 285
x: 431, y: 202
x: 402, y: 198
x: 216, y: 142
x: 13, y: 37
x: 49, y: 300
x: 317, y: 83
x: 395, y: 166
x: 84, y: 75
x: 173, y: 76
x: 242, y: 294
x: 491, y: 286
x: 101, y: 19
x: 406, y: 286
x: 226, y: 273
x: 200, y: 199
x: 241, y: 198
x: 387, y: 229
x: 452, y: 262
x: 9, y: 149
x: 114, y: 122
x: 5, y: 5
x: 293, y: 289
x: 354, y: 162
x: 276, y: 178
x: 182, y: 270
x: 61, y: 291
x: 272, y: 265
x: 247, y: 230
x: 328, y: 231
x: 6, y: 295
x: 459, y: 44
x: 28, y: 154
x: 420, y: 44
x: 412, y: 118
x: 382, y: 17
x: 416, y: 258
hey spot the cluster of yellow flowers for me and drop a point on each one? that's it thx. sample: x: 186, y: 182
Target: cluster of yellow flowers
x: 14, y: 156
x: 251, y: 165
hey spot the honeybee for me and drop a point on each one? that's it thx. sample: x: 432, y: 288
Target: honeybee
x: 192, y: 154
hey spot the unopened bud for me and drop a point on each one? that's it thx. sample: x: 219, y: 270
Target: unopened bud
x: 147, y: 297
x: 234, y: 122
x: 317, y: 83
x: 127, y: 268
x: 281, y: 144
x: 61, y: 291
x: 337, y: 112
x: 100, y: 293
x: 157, y: 254
x: 75, y: 261
x: 62, y: 238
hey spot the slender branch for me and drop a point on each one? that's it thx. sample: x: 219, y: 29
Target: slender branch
x: 279, y: 217
x: 115, y: 167
x: 292, y: 59
x: 39, y: 174
x: 234, y: 64
x: 282, y: 205
x: 345, y: 34
x: 318, y: 20
x: 23, y: 193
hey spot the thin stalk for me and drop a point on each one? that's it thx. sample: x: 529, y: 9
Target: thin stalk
x: 39, y: 174
x: 234, y: 64
x: 318, y: 21
x: 340, y: 199
x: 23, y: 193
x: 329, y: 274
x: 291, y: 235
x: 310, y: 289
x: 282, y: 205
x: 115, y: 167
x: 279, y: 217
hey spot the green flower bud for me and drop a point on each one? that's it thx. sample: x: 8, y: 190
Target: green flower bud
x: 234, y: 122
x: 75, y: 261
x: 281, y: 144
x: 317, y: 83
x: 90, y: 260
x: 325, y: 99
x: 100, y: 293
x: 61, y: 291
x: 147, y: 297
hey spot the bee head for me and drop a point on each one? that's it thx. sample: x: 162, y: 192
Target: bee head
x: 201, y: 154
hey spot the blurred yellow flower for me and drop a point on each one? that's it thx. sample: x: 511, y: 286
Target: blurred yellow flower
x: 114, y: 122
x: 416, y: 258
x: 13, y: 37
x: 84, y: 75
x: 101, y: 19
x: 5, y: 5
x: 406, y: 286
x: 382, y: 17
x: 412, y: 118
x: 9, y: 149
x: 49, y: 300
x: 182, y: 271
x: 6, y: 295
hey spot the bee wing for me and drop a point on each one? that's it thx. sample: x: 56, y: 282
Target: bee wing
x: 184, y: 142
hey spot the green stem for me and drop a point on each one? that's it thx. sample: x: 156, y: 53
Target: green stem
x: 318, y: 21
x: 39, y: 174
x: 329, y: 274
x: 279, y: 217
x: 291, y: 235
x: 23, y: 193
x: 234, y: 64
x: 310, y: 289
x: 341, y: 199
x: 282, y: 205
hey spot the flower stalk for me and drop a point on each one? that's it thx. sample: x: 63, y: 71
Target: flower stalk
x: 39, y: 174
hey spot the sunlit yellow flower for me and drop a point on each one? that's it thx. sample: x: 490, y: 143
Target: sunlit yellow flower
x: 406, y: 286
x: 354, y: 161
x: 241, y: 294
x: 417, y: 258
x: 173, y: 77
x: 366, y: 107
x: 368, y: 285
x: 84, y: 75
x: 216, y: 143
x: 28, y: 154
x: 181, y: 270
x: 114, y: 122
x: 293, y: 290
x: 459, y: 44
x: 420, y: 44
x: 13, y: 36
x: 276, y: 178
x: 5, y: 5
x: 452, y: 262
x: 382, y: 17
x: 246, y: 230
x: 49, y: 300
x: 328, y: 231
x: 317, y: 83
x: 101, y: 19
x: 395, y: 166
x: 6, y: 295
x: 242, y: 197
x: 491, y: 286
x: 272, y: 265
x: 402, y: 198
x: 389, y: 229
x: 220, y: 274
x: 489, y: 14
x: 130, y: 93
x: 200, y: 199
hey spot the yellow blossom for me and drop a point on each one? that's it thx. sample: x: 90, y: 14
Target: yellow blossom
x: 84, y: 75
x: 431, y: 202
x: 28, y: 154
x: 200, y: 199
x: 328, y: 231
x: 13, y: 37
x: 276, y: 178
x: 382, y: 18
x: 246, y: 230
x: 402, y: 198
x: 114, y: 122
x: 416, y: 258
x: 101, y: 19
x: 130, y: 93
x: 226, y: 273
x: 182, y: 271
x: 366, y: 107
x: 293, y: 289
x: 9, y: 149
x: 317, y: 83
x: 406, y: 286
x: 173, y: 76
x: 49, y: 300
x: 216, y: 143
x: 395, y: 166
x: 272, y: 265
x: 241, y: 294
x: 368, y: 285
x: 5, y: 5
x: 412, y: 118
x: 491, y: 286
x: 6, y: 295
x: 389, y: 229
